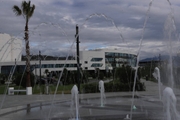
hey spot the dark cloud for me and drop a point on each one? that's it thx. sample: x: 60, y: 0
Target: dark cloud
x: 102, y: 23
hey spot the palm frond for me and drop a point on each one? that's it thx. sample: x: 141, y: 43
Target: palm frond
x: 17, y: 10
x: 29, y: 3
x: 24, y: 7
x: 31, y: 10
x: 26, y: 10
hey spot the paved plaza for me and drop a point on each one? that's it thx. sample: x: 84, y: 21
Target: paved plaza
x: 118, y: 105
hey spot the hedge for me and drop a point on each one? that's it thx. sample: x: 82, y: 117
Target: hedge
x: 112, y: 87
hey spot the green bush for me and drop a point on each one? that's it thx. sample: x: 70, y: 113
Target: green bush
x: 90, y: 88
x: 2, y: 82
x: 2, y: 78
x: 113, y: 86
x: 126, y: 74
x: 18, y: 78
x: 101, y: 75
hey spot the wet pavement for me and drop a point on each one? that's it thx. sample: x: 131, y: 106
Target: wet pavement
x: 147, y: 106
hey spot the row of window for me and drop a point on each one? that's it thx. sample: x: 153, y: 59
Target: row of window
x: 94, y: 60
x: 110, y: 60
x: 97, y: 65
x: 42, y: 66
x: 111, y: 54
x: 57, y: 65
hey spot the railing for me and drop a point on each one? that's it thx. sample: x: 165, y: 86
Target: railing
x: 11, y: 91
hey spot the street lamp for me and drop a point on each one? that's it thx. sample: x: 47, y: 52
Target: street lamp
x: 40, y: 65
x: 77, y: 52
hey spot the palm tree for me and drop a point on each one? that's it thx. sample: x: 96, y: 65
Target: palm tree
x: 26, y: 11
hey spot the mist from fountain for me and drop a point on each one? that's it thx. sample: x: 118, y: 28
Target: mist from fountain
x: 75, y: 101
x: 12, y: 70
x: 102, y: 94
x: 138, y: 54
x: 6, y: 46
x: 127, y: 117
x: 141, y: 40
x: 170, y: 101
x: 156, y: 75
x: 37, y: 33
x: 9, y: 79
x: 170, y: 30
x: 93, y: 15
x: 99, y: 15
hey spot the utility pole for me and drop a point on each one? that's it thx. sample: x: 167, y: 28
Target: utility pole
x: 15, y: 65
x: 77, y: 54
x: 40, y: 67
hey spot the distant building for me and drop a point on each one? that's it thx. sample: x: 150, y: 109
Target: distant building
x: 106, y: 58
x: 10, y: 48
x: 103, y: 59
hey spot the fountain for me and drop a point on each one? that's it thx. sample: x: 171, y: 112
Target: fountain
x: 118, y: 105
x: 75, y: 101
x: 156, y: 75
x: 170, y: 102
x: 102, y: 94
x: 127, y: 117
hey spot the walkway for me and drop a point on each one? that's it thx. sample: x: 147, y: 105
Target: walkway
x: 15, y: 102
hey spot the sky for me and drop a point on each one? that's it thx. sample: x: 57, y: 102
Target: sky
x: 145, y: 27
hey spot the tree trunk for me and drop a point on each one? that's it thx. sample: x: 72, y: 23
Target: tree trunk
x: 26, y: 38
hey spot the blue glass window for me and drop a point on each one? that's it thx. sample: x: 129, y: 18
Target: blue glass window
x: 96, y: 59
x: 97, y: 65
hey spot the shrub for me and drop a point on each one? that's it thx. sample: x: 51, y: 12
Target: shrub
x: 2, y: 78
x: 101, y: 75
x: 113, y: 86
x: 126, y: 74
x: 90, y: 88
x: 2, y: 82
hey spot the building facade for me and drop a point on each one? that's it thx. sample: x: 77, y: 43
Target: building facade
x: 106, y: 59
x: 10, y: 48
x: 103, y: 59
x: 89, y: 60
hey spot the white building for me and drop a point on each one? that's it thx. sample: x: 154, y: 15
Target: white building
x: 106, y: 59
x: 10, y: 48
x: 89, y: 60
x: 103, y: 59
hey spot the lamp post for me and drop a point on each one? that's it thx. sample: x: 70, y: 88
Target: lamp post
x: 40, y: 67
x: 77, y: 53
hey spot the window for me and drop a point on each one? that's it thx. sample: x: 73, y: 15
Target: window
x: 50, y: 65
x: 96, y: 59
x: 120, y: 54
x: 86, y: 68
x: 71, y: 65
x: 110, y: 59
x: 43, y: 66
x: 85, y: 62
x: 116, y: 54
x: 59, y: 65
x: 110, y: 54
x: 97, y: 65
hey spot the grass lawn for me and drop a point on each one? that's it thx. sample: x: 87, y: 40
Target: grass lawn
x: 61, y: 89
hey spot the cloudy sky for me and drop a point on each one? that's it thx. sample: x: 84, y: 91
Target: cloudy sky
x: 121, y: 24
